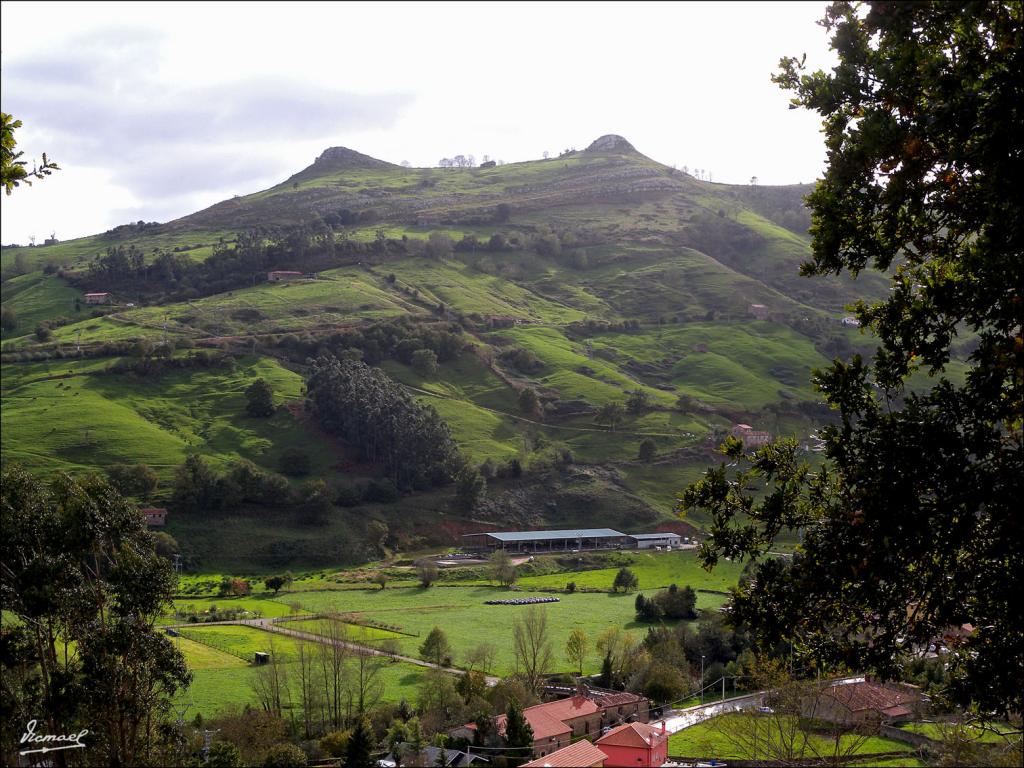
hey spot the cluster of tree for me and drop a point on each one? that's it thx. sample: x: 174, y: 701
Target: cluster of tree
x: 399, y: 339
x: 84, y: 586
x: 146, y: 359
x: 920, y: 489
x: 673, y: 603
x: 138, y: 480
x: 459, y: 161
x: 523, y: 360
x: 380, y: 419
x: 625, y: 580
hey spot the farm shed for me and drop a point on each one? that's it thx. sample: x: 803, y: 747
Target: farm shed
x: 548, y: 541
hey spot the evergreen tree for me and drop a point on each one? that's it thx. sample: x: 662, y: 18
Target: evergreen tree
x: 360, y: 746
x: 518, y: 734
x: 259, y: 399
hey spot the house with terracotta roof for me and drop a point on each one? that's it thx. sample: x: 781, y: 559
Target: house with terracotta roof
x: 556, y: 723
x: 97, y: 298
x: 156, y: 517
x: 582, y: 754
x: 865, y: 702
x: 279, y: 275
x: 750, y: 437
x: 635, y: 744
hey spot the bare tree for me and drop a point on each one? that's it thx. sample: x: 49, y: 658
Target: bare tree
x: 270, y: 682
x: 334, y: 674
x: 481, y: 657
x: 532, y: 645
x: 367, y: 687
x: 310, y: 692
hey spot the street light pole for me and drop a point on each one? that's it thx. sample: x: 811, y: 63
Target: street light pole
x: 701, y: 679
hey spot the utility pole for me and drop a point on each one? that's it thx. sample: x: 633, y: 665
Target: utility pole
x: 701, y: 679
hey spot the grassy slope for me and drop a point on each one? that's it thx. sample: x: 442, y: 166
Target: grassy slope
x: 36, y: 297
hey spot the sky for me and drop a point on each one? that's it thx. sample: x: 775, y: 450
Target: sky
x: 156, y: 110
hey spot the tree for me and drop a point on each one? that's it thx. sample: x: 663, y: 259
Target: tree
x: 913, y: 523
x: 138, y: 480
x: 259, y: 399
x: 8, y: 319
x: 424, y: 362
x: 223, y: 754
x: 529, y: 403
x: 294, y: 462
x: 380, y: 579
x: 638, y: 401
x: 285, y: 756
x: 427, y: 572
x: 610, y: 414
x: 647, y: 450
x: 576, y: 648
x: 470, y: 487
x: 360, y: 745
x: 79, y: 568
x: 439, y: 245
x: 13, y: 170
x: 501, y: 568
x: 518, y: 734
x: 435, y: 648
x: 531, y: 644
x: 625, y: 580
x: 274, y: 582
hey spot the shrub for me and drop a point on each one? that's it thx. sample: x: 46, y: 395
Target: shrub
x: 294, y: 462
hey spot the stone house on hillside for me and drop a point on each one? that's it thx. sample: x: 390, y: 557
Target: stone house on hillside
x: 750, y: 437
x: 866, y: 702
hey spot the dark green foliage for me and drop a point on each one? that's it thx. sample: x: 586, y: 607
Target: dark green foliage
x: 79, y: 566
x: 607, y: 676
x: 223, y: 754
x: 435, y: 647
x: 8, y: 319
x: 275, y: 583
x: 523, y: 360
x: 625, y: 580
x: 518, y: 734
x: 424, y: 362
x: 360, y: 745
x: 638, y: 401
x: 470, y: 487
x: 285, y: 756
x: 647, y: 450
x: 529, y: 403
x: 133, y: 479
x: 610, y: 414
x: 43, y: 333
x: 382, y: 491
x: 380, y: 419
x: 294, y: 462
x: 195, y: 486
x: 914, y: 524
x: 259, y: 399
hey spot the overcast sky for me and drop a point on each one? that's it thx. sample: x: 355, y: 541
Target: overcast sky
x: 157, y: 110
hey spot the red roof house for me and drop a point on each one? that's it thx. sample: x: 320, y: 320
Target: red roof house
x: 865, y: 701
x: 582, y: 754
x: 155, y: 516
x: 635, y: 744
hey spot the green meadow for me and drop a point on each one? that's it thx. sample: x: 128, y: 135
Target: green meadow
x: 712, y: 739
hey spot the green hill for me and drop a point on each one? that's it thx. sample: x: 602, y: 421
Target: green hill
x: 590, y: 278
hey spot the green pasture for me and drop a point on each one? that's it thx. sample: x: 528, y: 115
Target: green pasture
x: 221, y: 679
x: 654, y: 570
x: 55, y: 417
x: 987, y: 733
x: 461, y: 613
x: 36, y: 297
x: 355, y: 633
x: 714, y: 739
x: 256, y: 608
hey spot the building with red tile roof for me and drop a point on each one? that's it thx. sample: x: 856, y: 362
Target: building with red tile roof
x: 556, y: 723
x: 582, y: 754
x: 635, y: 744
x: 866, y: 701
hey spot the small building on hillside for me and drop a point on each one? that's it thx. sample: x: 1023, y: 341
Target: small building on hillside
x: 582, y: 754
x: 651, y: 540
x: 547, y: 541
x: 750, y: 437
x: 156, y: 517
x: 97, y: 298
x: 634, y: 744
x: 453, y: 758
x: 865, y: 702
x: 852, y: 322
x: 279, y: 275
x: 51, y: 240
x: 759, y: 311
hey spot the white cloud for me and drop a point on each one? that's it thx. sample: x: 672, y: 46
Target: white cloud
x: 182, y: 102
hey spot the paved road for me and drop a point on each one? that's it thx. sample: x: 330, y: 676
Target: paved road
x: 274, y: 625
x: 684, y: 718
